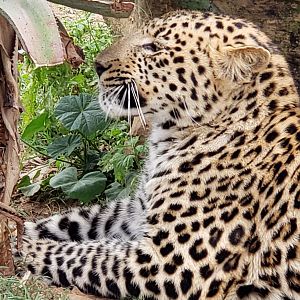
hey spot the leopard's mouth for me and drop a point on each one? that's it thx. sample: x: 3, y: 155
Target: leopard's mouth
x: 122, y: 100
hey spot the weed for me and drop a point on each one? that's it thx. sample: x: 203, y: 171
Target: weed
x: 93, y: 153
x: 12, y: 288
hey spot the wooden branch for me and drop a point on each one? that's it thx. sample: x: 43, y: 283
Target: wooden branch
x: 9, y: 152
x: 11, y: 213
x: 107, y: 8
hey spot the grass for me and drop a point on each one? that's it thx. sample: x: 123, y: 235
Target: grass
x: 12, y: 288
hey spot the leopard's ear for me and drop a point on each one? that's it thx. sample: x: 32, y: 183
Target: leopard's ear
x: 239, y: 63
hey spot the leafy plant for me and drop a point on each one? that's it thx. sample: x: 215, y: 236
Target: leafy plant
x: 81, y: 114
x: 41, y: 88
x: 85, y: 189
x: 94, y: 152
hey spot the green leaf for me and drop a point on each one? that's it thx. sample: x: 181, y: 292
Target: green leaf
x: 81, y: 113
x: 45, y: 182
x: 91, y: 160
x: 36, y: 125
x: 36, y: 175
x: 31, y: 189
x: 117, y: 191
x: 64, y: 145
x: 88, y: 187
x: 64, y: 179
x: 85, y: 189
x: 78, y: 79
x: 25, y: 181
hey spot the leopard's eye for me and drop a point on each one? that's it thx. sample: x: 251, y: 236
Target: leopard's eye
x: 150, y: 47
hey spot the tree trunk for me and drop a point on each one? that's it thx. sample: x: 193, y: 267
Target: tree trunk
x: 107, y: 8
x: 9, y: 141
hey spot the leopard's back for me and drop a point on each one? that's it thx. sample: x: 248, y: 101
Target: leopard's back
x: 219, y: 200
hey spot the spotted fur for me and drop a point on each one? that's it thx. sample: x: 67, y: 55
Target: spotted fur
x: 216, y: 215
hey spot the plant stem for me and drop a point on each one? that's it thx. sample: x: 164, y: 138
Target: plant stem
x: 89, y: 142
x: 79, y: 156
x: 94, y: 146
x: 85, y: 142
x: 46, y: 155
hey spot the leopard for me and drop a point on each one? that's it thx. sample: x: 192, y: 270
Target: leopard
x: 216, y: 212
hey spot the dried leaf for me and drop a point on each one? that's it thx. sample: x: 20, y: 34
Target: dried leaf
x: 36, y: 27
x: 73, y: 54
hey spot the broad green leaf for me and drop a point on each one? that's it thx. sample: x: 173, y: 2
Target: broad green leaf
x: 116, y: 191
x: 81, y: 113
x: 88, y: 187
x: 35, y: 126
x: 64, y: 145
x: 31, y: 189
x: 36, y: 27
x: 84, y: 189
x: 91, y: 160
x: 64, y: 179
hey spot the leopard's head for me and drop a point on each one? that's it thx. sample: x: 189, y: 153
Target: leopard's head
x: 181, y: 64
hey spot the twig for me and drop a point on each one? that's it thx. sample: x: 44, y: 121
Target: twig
x: 11, y: 213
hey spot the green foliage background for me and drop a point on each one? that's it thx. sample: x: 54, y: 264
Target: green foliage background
x: 63, y: 123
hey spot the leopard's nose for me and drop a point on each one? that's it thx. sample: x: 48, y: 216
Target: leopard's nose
x: 101, y: 68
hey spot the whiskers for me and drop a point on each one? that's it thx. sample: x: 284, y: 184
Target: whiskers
x: 128, y: 109
x: 134, y: 92
x: 118, y: 95
x: 110, y: 96
x: 126, y: 97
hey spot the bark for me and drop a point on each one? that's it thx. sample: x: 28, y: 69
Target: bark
x: 9, y: 141
x: 108, y: 8
x: 192, y: 4
x: 148, y: 9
